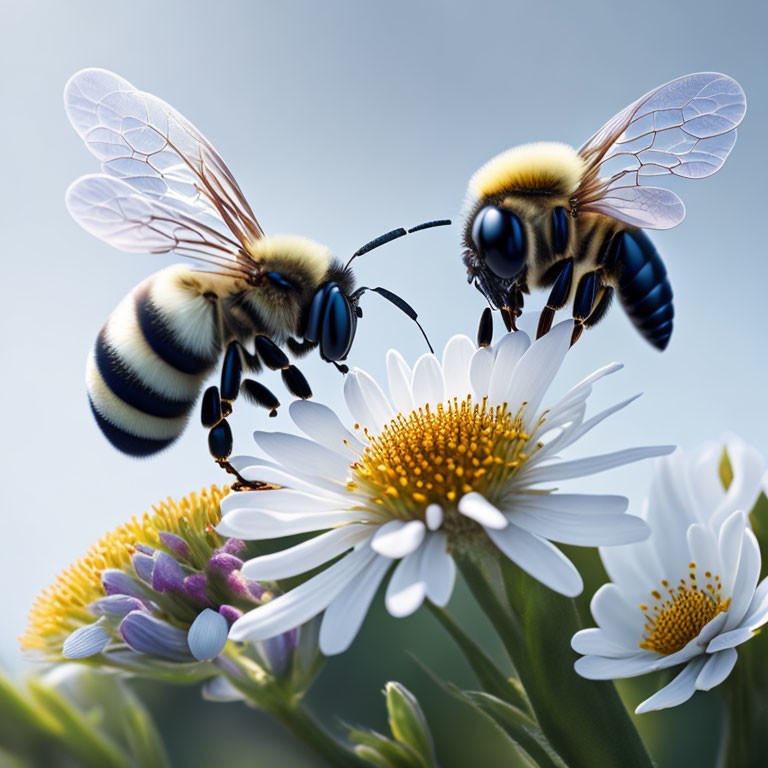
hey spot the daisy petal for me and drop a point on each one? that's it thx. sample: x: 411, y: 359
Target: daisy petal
x: 296, y: 607
x: 375, y: 399
x: 480, y: 369
x: 478, y: 508
x: 594, y: 642
x: 397, y: 539
x: 399, y: 378
x: 621, y: 621
x: 278, y: 500
x: 307, y: 555
x: 438, y: 570
x: 321, y: 424
x: 265, y: 524
x: 299, y: 454
x: 406, y: 589
x: 678, y: 691
x: 716, y: 669
x: 353, y: 394
x: 746, y: 580
x: 542, y: 560
x: 434, y: 516
x: 730, y: 543
x: 456, y: 358
x: 604, y: 668
x: 427, y: 381
x: 344, y: 616
x: 508, y: 351
x: 757, y: 613
x: 730, y: 639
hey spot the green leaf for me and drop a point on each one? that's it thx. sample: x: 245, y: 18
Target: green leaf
x: 407, y: 722
x: 490, y: 677
x: 390, y: 752
x: 726, y: 470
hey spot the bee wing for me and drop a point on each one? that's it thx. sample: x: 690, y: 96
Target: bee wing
x: 113, y: 210
x: 155, y: 150
x: 685, y: 128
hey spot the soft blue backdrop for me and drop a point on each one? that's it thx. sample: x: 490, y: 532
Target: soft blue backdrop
x: 342, y: 120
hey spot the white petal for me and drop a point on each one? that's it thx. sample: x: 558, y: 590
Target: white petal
x: 537, y: 369
x: 702, y: 544
x: 480, y: 368
x: 321, y: 424
x: 305, y: 601
x: 438, y: 570
x: 594, y: 642
x: 294, y: 480
x: 344, y: 616
x: 353, y: 394
x: 219, y: 689
x: 508, y: 351
x: 758, y: 608
x: 678, y: 691
x: 716, y: 669
x: 307, y: 555
x: 573, y: 503
x: 478, y: 508
x: 399, y: 379
x: 605, y: 668
x: 406, y: 589
x: 579, y: 431
x: 730, y: 542
x: 427, y: 381
x: 539, y: 558
x: 397, y: 539
x: 375, y: 399
x: 297, y: 454
x: 745, y: 581
x: 263, y: 524
x: 583, y: 529
x: 279, y: 500
x: 748, y: 467
x: 581, y: 391
x: 621, y: 621
x: 594, y: 464
x: 456, y: 359
x: 730, y: 639
x: 434, y: 516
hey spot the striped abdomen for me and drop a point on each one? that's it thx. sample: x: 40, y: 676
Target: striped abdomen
x: 642, y: 285
x: 151, y: 359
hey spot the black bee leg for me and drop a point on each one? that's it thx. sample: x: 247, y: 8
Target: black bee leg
x: 485, y: 328
x: 514, y: 308
x: 276, y: 360
x: 300, y: 348
x: 602, y: 306
x: 584, y: 302
x: 216, y: 407
x: 558, y: 296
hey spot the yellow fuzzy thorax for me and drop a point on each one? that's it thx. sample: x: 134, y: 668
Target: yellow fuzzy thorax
x: 63, y: 607
x: 285, y: 253
x: 544, y: 166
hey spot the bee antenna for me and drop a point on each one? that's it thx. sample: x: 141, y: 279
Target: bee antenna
x: 400, y: 303
x: 388, y: 237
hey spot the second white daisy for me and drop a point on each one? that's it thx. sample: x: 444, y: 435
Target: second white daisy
x: 459, y: 454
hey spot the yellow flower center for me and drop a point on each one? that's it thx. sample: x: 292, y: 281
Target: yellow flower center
x: 438, y: 455
x: 675, y: 620
x: 62, y: 608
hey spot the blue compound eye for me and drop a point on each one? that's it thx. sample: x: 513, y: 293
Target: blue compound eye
x: 338, y: 326
x: 500, y: 239
x: 278, y: 279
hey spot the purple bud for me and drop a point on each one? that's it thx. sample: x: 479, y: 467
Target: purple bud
x: 176, y: 544
x: 115, y: 605
x: 143, y: 565
x: 144, y: 549
x: 230, y: 613
x: 119, y: 583
x: 232, y: 547
x: 149, y: 635
x: 85, y: 641
x: 238, y: 584
x: 195, y: 585
x: 276, y: 651
x: 256, y: 589
x: 167, y: 573
x: 224, y: 563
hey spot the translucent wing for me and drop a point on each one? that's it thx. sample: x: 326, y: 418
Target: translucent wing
x: 685, y: 128
x: 147, y: 144
x: 113, y: 210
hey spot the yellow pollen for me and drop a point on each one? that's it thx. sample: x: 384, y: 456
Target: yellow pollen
x: 437, y: 454
x: 678, y: 618
x: 62, y: 607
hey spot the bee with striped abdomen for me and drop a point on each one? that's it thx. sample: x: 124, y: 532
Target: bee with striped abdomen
x: 164, y: 188
x: 547, y: 216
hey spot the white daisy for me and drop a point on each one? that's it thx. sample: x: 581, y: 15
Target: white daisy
x: 459, y: 454
x: 689, y: 594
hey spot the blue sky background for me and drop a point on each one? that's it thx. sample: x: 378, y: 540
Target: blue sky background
x: 342, y: 120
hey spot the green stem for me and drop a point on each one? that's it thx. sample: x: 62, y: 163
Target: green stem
x: 584, y: 720
x: 274, y: 697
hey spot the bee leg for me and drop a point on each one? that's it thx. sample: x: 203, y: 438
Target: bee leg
x: 601, y: 307
x: 300, y: 348
x: 485, y: 328
x: 584, y: 302
x: 216, y: 407
x: 275, y: 359
x: 514, y: 308
x: 558, y: 296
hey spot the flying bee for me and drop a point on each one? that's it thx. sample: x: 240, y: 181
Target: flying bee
x: 164, y: 188
x: 548, y: 216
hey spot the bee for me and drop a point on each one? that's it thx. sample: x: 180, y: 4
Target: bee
x: 546, y: 215
x: 164, y: 188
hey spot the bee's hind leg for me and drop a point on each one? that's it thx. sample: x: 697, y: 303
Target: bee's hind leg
x: 591, y: 302
x: 485, y: 328
x: 562, y: 275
